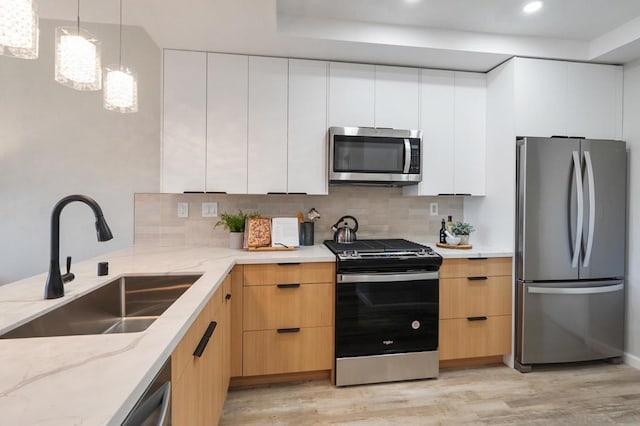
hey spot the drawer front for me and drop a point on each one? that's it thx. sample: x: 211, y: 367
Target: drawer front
x: 287, y: 305
x: 475, y: 267
x: 270, y: 352
x: 289, y: 273
x: 461, y: 338
x: 468, y: 297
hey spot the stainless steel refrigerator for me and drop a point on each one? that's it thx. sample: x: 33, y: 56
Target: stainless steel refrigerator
x: 570, y: 247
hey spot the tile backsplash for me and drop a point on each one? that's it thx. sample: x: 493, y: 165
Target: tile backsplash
x: 381, y: 212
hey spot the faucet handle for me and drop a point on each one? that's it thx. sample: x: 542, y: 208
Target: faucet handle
x: 68, y: 276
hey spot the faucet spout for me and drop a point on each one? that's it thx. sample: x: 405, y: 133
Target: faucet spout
x: 54, y: 287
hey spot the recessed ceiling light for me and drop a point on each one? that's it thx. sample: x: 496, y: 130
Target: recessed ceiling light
x: 412, y: 1
x: 532, y: 7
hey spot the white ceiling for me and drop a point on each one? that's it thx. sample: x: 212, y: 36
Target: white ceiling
x: 456, y: 34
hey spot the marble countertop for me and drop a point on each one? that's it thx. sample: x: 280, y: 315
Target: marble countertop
x: 97, y: 379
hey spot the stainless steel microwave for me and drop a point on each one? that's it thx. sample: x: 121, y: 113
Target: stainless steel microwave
x: 374, y: 156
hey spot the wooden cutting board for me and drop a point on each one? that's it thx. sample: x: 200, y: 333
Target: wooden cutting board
x: 457, y: 247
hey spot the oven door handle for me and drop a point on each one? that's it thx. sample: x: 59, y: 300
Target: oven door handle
x: 359, y: 278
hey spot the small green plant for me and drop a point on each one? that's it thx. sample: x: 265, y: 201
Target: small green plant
x: 462, y: 228
x: 235, y: 222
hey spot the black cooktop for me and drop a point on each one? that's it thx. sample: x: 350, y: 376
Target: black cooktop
x: 375, y: 246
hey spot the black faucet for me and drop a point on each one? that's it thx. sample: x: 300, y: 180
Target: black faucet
x: 55, y: 283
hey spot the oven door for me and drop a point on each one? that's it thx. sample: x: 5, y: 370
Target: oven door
x: 385, y: 313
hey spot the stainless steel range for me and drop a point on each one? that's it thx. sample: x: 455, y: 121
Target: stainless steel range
x: 386, y: 311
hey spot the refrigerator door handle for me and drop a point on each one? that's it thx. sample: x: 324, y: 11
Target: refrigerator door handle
x: 580, y: 216
x: 578, y: 290
x: 592, y: 208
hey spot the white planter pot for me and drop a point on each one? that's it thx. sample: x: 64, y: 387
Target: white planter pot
x: 236, y: 240
x: 464, y: 239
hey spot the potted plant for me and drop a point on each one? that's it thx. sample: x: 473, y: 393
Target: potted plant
x: 235, y: 224
x: 462, y: 229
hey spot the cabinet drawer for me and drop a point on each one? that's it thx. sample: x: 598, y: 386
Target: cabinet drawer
x: 461, y: 338
x: 467, y: 297
x: 287, y: 305
x: 288, y: 273
x: 270, y: 352
x: 475, y: 267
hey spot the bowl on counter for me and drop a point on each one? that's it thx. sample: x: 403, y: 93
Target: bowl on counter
x: 453, y: 241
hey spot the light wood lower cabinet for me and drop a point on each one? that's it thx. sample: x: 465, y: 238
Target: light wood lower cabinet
x: 475, y: 308
x: 287, y: 350
x: 286, y: 319
x: 465, y: 338
x: 200, y: 367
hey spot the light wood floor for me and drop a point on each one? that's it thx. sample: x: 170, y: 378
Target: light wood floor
x: 594, y: 394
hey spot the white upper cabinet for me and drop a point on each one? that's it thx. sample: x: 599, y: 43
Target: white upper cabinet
x: 227, y: 104
x: 184, y: 126
x: 437, y: 121
x: 307, y: 136
x: 595, y: 101
x: 568, y: 99
x: 397, y: 97
x: 470, y: 133
x: 267, y: 138
x: 452, y: 118
x: 541, y: 97
x: 351, y: 95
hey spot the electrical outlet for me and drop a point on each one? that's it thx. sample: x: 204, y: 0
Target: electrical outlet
x: 209, y: 209
x: 183, y: 209
x: 433, y: 209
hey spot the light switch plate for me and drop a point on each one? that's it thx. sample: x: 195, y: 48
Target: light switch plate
x: 433, y: 209
x: 183, y: 209
x: 209, y: 209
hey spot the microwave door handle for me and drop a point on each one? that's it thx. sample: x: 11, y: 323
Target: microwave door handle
x: 407, y: 156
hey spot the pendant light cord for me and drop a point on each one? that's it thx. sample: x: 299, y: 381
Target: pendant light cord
x: 78, y: 17
x: 120, y: 51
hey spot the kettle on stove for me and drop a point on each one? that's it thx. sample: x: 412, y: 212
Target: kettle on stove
x: 344, y: 234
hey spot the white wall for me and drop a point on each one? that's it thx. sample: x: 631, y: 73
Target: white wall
x: 55, y: 141
x: 631, y: 134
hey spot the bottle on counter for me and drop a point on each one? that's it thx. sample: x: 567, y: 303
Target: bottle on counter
x: 443, y: 235
x: 449, y: 225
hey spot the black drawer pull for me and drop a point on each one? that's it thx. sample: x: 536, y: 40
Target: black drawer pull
x: 477, y: 278
x: 227, y: 297
x: 476, y: 318
x: 477, y: 258
x: 289, y: 264
x: 296, y: 285
x: 205, y: 339
x: 288, y: 330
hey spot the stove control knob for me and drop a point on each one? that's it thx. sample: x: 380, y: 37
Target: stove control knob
x: 354, y: 253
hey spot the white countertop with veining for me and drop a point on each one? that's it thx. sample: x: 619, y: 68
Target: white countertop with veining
x: 97, y: 379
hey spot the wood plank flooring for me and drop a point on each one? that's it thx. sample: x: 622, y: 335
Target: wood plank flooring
x: 589, y: 394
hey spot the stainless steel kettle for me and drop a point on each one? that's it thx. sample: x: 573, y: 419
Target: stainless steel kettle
x: 344, y: 234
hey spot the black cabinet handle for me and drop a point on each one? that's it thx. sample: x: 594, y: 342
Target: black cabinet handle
x: 477, y: 258
x: 296, y: 285
x: 476, y: 318
x: 205, y: 339
x: 477, y: 278
x: 288, y: 330
x: 227, y: 297
x: 288, y: 264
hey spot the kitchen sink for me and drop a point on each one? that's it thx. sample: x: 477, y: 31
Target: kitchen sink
x: 126, y: 305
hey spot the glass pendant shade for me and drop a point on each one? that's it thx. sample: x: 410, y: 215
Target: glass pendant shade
x: 78, y: 59
x: 120, y: 89
x: 19, y: 31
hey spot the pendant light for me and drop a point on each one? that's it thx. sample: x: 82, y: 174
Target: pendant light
x: 19, y: 32
x: 78, y: 58
x: 120, y: 84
